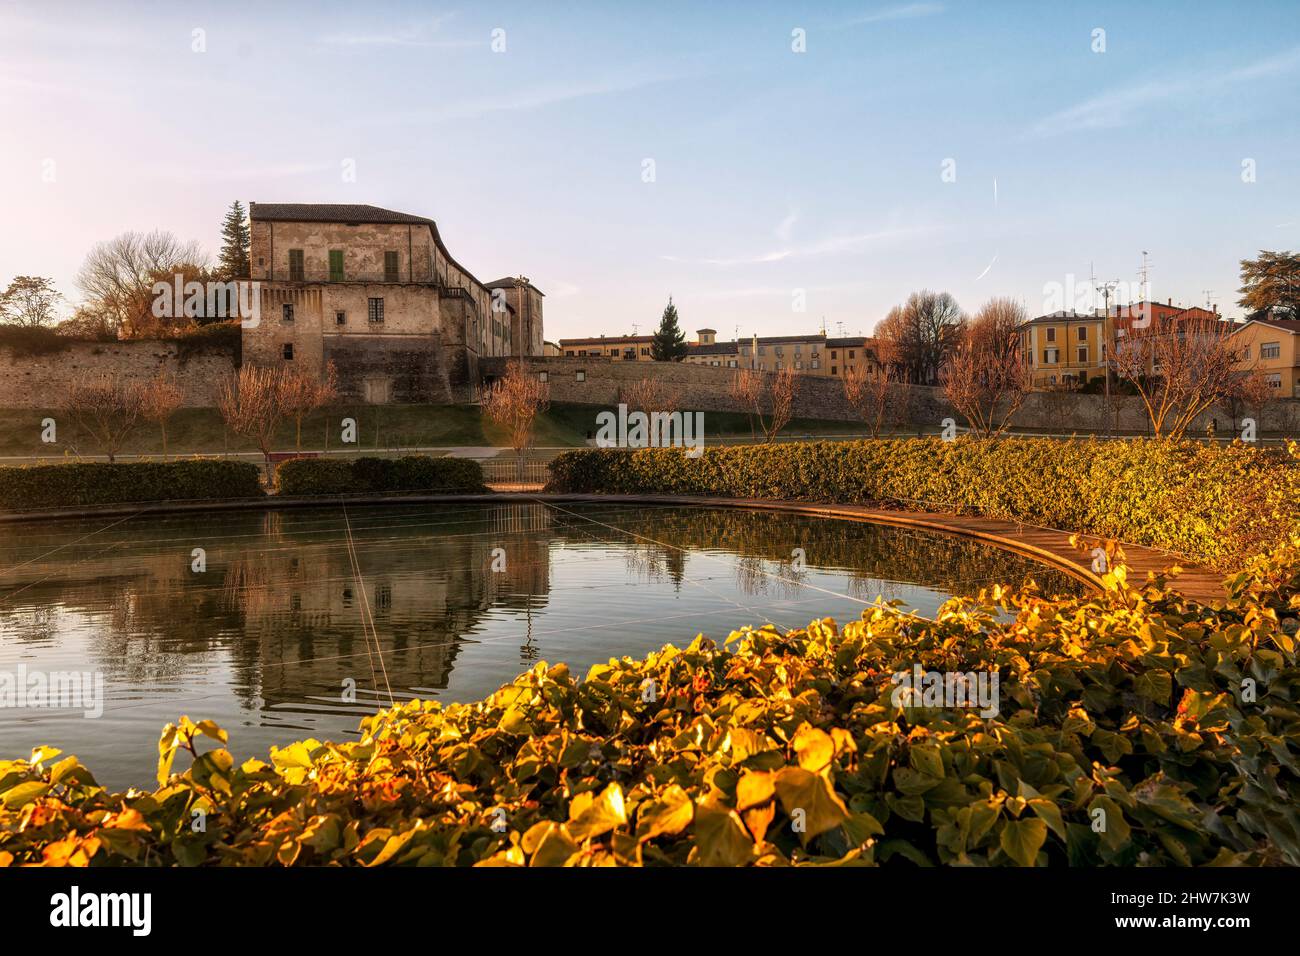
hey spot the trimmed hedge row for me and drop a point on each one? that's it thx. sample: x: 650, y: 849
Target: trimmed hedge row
x: 1217, y: 504
x: 74, y: 484
x: 1131, y: 727
x: 342, y: 476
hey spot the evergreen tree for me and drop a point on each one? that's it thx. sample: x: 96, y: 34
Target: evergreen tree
x: 235, y: 241
x: 669, y: 343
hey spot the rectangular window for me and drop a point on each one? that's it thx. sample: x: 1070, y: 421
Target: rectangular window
x: 1274, y: 379
x: 851, y: 353
x: 391, y: 267
x: 816, y: 363
x: 1083, y: 353
x: 340, y: 318
x: 543, y: 376
x: 580, y: 376
x: 731, y: 363
x: 1051, y: 335
x: 336, y: 265
x: 832, y: 353
x: 296, y: 271
x: 287, y: 351
x: 1050, y: 356
x: 376, y: 311
x: 835, y: 370
x: 1270, y: 350
x: 1083, y: 333
x: 798, y: 365
x: 286, y: 312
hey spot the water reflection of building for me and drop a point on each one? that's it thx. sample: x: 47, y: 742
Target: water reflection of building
x: 280, y: 598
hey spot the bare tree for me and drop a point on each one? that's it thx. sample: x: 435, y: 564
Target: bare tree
x: 768, y: 398
x: 252, y: 404
x: 29, y: 302
x: 1248, y: 391
x: 305, y: 392
x: 922, y: 332
x: 118, y: 275
x: 1180, y: 367
x: 514, y: 401
x: 875, y: 393
x: 987, y: 378
x: 105, y: 406
x: 159, y: 400
x: 651, y: 395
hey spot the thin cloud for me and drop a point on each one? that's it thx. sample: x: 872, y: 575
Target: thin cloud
x: 416, y: 36
x: 236, y: 173
x: 825, y: 247
x: 1123, y: 107
x: 909, y: 11
x: 782, y: 230
x: 524, y: 99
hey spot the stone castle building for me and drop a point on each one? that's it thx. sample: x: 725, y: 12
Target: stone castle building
x: 376, y: 293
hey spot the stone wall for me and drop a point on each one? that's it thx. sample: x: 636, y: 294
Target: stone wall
x: 41, y: 381
x: 704, y: 388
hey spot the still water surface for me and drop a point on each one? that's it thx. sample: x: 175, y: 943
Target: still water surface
x: 267, y: 637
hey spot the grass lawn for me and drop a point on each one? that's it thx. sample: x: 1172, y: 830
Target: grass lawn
x: 383, y: 427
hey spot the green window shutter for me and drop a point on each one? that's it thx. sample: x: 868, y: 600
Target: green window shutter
x: 296, y: 271
x: 336, y: 265
x: 390, y: 267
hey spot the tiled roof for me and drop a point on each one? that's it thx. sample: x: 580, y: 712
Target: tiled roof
x: 329, y: 212
x: 717, y: 348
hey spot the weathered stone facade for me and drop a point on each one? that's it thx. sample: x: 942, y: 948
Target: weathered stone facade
x: 376, y: 293
x: 42, y: 381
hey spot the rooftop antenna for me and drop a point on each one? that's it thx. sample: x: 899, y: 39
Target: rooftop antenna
x: 1107, y: 330
x: 1144, y: 276
x: 1209, y: 299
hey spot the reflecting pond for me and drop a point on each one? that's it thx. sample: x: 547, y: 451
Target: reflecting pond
x: 286, y: 624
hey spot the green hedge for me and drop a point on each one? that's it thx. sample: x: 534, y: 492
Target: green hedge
x: 1218, y: 504
x: 1121, y: 734
x: 344, y: 476
x: 74, y: 484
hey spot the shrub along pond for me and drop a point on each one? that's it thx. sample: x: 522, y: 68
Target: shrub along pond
x: 280, y: 624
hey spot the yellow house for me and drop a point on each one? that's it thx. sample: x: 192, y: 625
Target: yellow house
x: 1272, y: 348
x: 1065, y: 348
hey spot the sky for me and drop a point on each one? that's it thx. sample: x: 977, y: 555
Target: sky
x: 776, y: 168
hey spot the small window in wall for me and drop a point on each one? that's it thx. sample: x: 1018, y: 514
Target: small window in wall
x: 336, y: 265
x: 731, y: 363
x: 543, y: 376
x: 286, y: 312
x: 391, y: 267
x: 340, y: 318
x: 287, y: 351
x: 835, y: 370
x: 375, y: 311
x: 297, y: 273
x: 580, y: 376
x: 1051, y: 337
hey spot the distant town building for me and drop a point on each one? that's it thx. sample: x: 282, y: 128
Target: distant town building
x: 1072, y: 348
x: 1271, y: 347
x: 813, y: 354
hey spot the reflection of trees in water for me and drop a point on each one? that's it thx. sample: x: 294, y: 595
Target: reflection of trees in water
x: 761, y: 577
x: 653, y: 564
x: 874, y: 556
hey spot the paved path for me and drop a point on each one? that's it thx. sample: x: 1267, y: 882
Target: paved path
x: 1048, y: 545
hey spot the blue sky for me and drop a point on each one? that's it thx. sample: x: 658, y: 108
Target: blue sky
x: 774, y: 171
